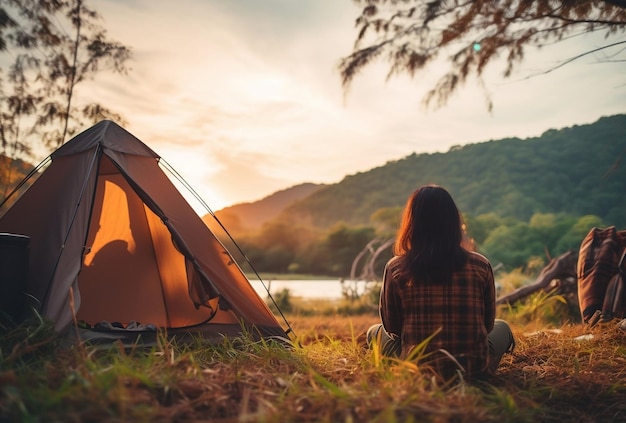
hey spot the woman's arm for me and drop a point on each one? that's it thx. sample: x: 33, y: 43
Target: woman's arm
x: 390, y: 305
x: 490, y: 299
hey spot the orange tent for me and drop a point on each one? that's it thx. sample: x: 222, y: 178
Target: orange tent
x: 112, y: 240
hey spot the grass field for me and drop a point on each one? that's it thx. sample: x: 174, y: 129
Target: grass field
x: 561, y: 371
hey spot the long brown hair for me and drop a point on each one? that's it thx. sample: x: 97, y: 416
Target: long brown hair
x: 429, y: 241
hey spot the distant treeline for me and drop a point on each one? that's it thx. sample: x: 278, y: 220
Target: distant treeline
x: 522, y: 200
x: 288, y: 247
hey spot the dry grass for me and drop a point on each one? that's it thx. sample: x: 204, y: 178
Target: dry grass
x: 553, y: 376
x: 571, y: 373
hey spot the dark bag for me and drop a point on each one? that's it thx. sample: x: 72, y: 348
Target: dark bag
x: 601, y: 288
x: 614, y: 305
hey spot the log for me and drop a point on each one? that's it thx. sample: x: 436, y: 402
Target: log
x: 560, y: 268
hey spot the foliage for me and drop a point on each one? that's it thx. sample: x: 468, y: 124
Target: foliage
x: 519, y: 243
x: 367, y: 292
x: 339, y: 246
x: 541, y: 306
x: 412, y: 34
x: 386, y: 220
x: 280, y: 247
x: 510, y: 281
x: 51, y: 47
x: 282, y: 301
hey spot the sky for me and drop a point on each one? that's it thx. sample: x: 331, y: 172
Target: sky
x: 244, y: 98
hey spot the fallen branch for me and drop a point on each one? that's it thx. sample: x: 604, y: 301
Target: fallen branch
x: 562, y: 268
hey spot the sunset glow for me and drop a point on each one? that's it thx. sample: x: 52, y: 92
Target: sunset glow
x: 243, y: 98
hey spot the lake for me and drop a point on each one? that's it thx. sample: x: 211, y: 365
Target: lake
x: 310, y: 289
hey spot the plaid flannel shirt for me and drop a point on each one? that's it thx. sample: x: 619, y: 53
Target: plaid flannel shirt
x: 463, y: 310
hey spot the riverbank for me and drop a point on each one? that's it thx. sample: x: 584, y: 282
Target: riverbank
x: 289, y: 276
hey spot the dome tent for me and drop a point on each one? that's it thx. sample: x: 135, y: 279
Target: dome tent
x: 111, y: 239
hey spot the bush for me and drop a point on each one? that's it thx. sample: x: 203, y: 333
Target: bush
x: 282, y: 301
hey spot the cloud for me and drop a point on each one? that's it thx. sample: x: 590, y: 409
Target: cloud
x: 244, y: 98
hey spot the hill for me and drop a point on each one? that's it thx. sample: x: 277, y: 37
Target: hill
x: 575, y: 170
x: 253, y: 215
x: 12, y: 171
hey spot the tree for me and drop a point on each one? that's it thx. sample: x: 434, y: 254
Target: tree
x: 387, y: 220
x: 50, y: 47
x: 412, y: 34
x: 342, y: 244
x: 479, y: 227
x: 572, y: 239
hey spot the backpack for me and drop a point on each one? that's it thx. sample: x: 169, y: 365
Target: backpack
x: 601, y: 272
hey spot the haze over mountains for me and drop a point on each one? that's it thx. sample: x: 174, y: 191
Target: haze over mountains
x: 577, y: 170
x: 255, y: 214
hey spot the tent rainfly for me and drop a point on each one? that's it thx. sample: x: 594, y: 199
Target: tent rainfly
x: 111, y: 239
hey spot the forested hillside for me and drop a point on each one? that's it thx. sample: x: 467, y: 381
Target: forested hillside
x: 249, y: 216
x: 522, y: 200
x: 576, y: 170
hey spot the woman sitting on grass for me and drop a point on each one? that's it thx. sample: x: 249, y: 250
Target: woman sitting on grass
x: 433, y: 286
